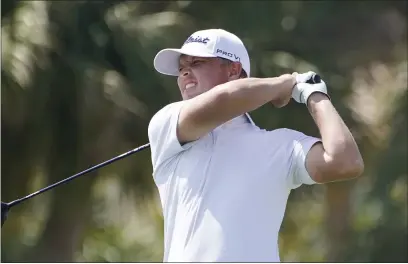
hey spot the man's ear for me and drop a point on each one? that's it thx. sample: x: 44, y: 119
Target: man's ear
x: 235, y: 70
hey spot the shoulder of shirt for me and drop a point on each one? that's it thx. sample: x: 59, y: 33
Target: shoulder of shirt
x: 282, y: 133
x: 166, y: 109
x: 169, y: 106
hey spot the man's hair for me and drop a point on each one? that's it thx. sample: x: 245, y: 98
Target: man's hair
x: 243, y: 73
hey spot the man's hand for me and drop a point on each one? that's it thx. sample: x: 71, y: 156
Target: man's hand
x: 302, y: 90
x: 303, y: 77
x: 296, y: 90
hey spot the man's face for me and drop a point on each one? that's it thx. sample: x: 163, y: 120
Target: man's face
x: 198, y: 75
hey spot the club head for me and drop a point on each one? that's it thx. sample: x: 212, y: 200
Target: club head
x: 4, y: 210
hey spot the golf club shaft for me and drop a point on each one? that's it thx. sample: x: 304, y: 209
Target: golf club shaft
x: 15, y: 202
x: 315, y: 79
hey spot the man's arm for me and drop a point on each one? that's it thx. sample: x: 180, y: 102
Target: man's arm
x: 207, y: 111
x: 337, y: 157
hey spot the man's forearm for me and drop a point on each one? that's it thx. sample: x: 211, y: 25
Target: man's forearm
x: 226, y: 101
x: 245, y: 95
x: 338, y: 142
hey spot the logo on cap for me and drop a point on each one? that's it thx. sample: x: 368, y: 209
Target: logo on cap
x: 229, y: 54
x: 197, y: 39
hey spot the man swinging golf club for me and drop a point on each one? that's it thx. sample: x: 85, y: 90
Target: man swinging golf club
x: 223, y: 181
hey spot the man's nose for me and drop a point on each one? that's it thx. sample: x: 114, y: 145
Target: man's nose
x: 186, y: 72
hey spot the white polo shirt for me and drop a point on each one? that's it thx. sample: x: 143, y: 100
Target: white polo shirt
x: 224, y: 195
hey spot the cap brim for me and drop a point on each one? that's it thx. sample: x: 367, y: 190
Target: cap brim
x: 167, y: 60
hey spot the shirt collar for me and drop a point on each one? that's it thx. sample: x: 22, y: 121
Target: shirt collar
x: 238, y: 121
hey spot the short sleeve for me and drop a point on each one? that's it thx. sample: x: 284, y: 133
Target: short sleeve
x: 162, y: 132
x: 299, y: 145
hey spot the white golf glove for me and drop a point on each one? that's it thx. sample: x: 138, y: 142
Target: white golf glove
x: 304, y: 77
x: 303, y: 90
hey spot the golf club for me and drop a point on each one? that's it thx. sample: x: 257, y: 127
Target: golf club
x: 5, y: 207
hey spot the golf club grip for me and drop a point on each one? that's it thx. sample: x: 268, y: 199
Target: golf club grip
x: 315, y: 79
x: 15, y: 202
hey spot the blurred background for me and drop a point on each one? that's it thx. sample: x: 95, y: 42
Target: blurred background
x: 78, y: 87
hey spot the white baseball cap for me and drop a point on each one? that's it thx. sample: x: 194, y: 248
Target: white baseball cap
x: 209, y: 43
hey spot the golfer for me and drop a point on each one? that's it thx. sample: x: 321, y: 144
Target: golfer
x: 223, y: 181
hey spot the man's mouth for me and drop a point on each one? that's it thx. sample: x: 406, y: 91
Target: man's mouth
x: 190, y: 85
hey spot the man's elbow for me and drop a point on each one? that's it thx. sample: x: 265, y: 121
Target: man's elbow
x: 340, y: 170
x: 348, y: 169
x: 353, y: 170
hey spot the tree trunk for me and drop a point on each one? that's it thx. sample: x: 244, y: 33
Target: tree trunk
x: 338, y: 219
x: 62, y: 235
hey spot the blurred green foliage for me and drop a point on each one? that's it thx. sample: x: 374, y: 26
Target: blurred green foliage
x: 78, y: 87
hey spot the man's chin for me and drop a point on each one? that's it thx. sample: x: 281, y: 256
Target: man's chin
x: 190, y: 95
